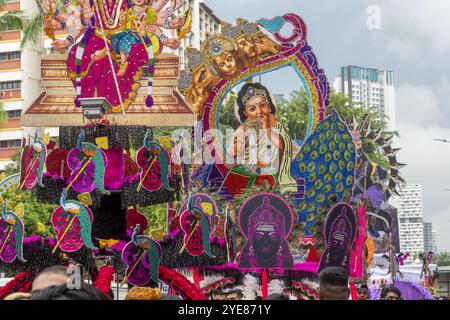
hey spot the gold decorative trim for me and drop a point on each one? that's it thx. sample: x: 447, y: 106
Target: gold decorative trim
x: 259, y: 69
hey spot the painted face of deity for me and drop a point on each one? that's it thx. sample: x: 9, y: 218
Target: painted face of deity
x: 227, y: 64
x: 266, y: 242
x: 256, y: 107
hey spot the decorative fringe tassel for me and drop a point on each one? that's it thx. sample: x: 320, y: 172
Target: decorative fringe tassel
x: 149, y: 101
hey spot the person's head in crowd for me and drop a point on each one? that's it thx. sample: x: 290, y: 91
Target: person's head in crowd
x: 53, y: 276
x: 64, y: 292
x: 363, y: 292
x: 277, y: 296
x: 391, y: 293
x: 18, y: 296
x: 235, y: 294
x: 219, y: 295
x: 333, y: 282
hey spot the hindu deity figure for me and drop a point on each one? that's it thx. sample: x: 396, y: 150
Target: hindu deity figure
x: 252, y: 45
x: 266, y: 230
x: 200, y: 80
x: 141, y: 23
x: 93, y: 62
x: 221, y: 58
x: 262, y: 143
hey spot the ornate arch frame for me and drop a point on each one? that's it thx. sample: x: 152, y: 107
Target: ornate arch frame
x: 296, y: 53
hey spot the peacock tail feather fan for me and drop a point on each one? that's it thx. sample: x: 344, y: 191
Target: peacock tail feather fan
x: 205, y: 234
x: 154, y: 259
x: 204, y: 224
x: 100, y: 167
x: 42, y: 155
x: 326, y: 161
x: 163, y: 159
x: 18, y: 236
x: 85, y: 225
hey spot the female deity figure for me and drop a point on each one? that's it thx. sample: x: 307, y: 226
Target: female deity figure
x: 262, y: 143
x: 266, y: 222
x: 141, y: 23
x: 93, y: 74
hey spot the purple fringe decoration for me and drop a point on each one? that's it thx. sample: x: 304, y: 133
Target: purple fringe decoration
x: 149, y: 101
x: 374, y: 292
x: 412, y: 290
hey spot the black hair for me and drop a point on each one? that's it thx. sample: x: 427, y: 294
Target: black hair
x: 390, y: 289
x: 333, y: 276
x: 171, y: 297
x: 243, y: 91
x: 364, y: 286
x: 277, y: 296
x: 54, y: 270
x: 85, y: 292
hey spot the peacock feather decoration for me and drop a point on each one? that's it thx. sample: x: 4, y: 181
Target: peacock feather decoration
x: 326, y: 162
x: 152, y: 249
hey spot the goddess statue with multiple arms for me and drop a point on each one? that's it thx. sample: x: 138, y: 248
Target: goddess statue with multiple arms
x: 127, y: 32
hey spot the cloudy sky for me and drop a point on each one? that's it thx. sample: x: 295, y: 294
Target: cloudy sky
x: 414, y: 42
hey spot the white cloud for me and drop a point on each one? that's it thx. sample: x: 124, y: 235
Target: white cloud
x: 419, y: 111
x: 421, y: 20
x: 404, y: 49
x: 417, y: 105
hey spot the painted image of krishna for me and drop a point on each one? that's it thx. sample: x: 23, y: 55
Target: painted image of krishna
x: 262, y: 143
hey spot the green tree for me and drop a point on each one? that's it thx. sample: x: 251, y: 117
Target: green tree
x: 12, y: 20
x: 32, y: 30
x: 442, y: 259
x: 35, y: 24
x: 37, y: 215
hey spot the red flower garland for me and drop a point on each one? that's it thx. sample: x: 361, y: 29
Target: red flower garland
x: 104, y: 279
x: 21, y: 283
x: 181, y: 284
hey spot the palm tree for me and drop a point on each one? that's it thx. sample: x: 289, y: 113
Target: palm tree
x: 442, y: 259
x: 12, y: 20
x: 35, y: 24
x: 32, y: 30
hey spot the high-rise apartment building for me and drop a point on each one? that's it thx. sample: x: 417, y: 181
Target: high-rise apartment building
x: 369, y: 87
x: 411, y: 219
x: 429, y: 237
x: 204, y: 22
x: 19, y: 82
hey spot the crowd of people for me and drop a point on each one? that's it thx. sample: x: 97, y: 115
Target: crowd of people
x: 53, y: 284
